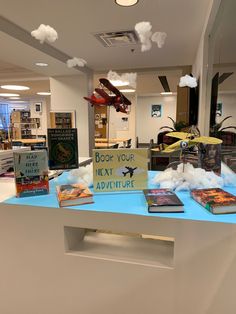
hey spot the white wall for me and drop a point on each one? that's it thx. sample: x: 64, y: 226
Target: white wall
x: 228, y: 109
x: 67, y: 93
x: 44, y: 116
x: 115, y: 130
x: 202, y: 67
x: 148, y: 127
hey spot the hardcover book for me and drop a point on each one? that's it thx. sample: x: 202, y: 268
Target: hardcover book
x: 63, y: 149
x: 31, y: 173
x: 73, y: 194
x: 216, y: 200
x: 162, y: 201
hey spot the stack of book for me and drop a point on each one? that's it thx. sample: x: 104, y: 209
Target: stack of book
x: 6, y: 158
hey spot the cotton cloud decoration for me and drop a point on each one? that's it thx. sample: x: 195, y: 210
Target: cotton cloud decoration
x: 129, y: 77
x: 71, y: 63
x: 192, y: 178
x: 159, y: 38
x: 188, y: 80
x: 145, y: 35
x: 144, y: 32
x: 45, y: 33
x: 82, y: 175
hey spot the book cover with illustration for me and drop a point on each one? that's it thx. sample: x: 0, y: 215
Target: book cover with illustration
x: 162, y: 200
x: 210, y: 157
x: 216, y: 200
x: 31, y: 173
x: 74, y: 194
x: 63, y: 149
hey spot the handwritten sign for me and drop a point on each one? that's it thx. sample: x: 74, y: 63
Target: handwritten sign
x: 119, y: 169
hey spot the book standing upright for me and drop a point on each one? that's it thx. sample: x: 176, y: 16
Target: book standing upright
x: 31, y: 173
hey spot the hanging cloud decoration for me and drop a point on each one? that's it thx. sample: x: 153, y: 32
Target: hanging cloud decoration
x: 145, y: 35
x: 45, y: 33
x: 71, y: 63
x: 188, y: 80
x: 129, y: 77
x: 159, y: 38
x: 143, y: 30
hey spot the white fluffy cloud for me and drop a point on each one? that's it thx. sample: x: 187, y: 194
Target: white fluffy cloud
x: 130, y: 77
x: 71, y: 63
x: 82, y: 175
x: 159, y: 38
x: 188, y: 80
x: 193, y: 178
x: 45, y: 33
x: 143, y: 30
x: 145, y: 35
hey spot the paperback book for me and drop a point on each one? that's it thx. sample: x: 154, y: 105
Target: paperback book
x: 162, y: 201
x: 31, y: 173
x: 216, y: 200
x: 73, y: 194
x: 63, y: 149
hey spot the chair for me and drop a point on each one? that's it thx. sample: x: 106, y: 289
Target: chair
x: 115, y: 145
x: 127, y: 144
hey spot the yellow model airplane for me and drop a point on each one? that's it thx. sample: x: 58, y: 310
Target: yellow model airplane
x: 187, y: 140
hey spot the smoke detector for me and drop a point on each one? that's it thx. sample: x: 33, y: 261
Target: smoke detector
x: 117, y: 39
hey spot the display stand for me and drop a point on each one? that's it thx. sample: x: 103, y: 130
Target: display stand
x: 111, y: 257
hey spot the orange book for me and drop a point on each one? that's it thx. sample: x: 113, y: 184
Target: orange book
x: 216, y: 200
x: 73, y: 194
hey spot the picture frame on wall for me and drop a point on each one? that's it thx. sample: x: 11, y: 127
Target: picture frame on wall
x: 38, y: 107
x: 156, y: 111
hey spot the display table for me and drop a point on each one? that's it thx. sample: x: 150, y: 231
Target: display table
x: 54, y: 260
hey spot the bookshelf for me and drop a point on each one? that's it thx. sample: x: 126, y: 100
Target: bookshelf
x: 62, y: 120
x: 23, y: 124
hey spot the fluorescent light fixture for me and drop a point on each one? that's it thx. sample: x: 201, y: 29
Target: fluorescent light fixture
x: 8, y: 95
x: 119, y: 83
x: 44, y: 93
x: 126, y: 3
x: 127, y: 90
x: 15, y: 87
x: 18, y: 101
x: 14, y: 98
x: 166, y: 93
x: 41, y: 64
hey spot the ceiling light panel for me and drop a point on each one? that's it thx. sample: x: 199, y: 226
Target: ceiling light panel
x: 41, y: 64
x: 126, y: 3
x: 15, y: 87
x: 44, y: 93
x: 8, y: 95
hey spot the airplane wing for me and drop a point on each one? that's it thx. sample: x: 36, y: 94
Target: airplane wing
x: 207, y: 140
x: 115, y: 90
x: 173, y: 147
x: 102, y: 93
x: 180, y: 135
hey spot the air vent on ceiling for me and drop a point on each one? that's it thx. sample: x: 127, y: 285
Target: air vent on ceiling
x: 117, y: 39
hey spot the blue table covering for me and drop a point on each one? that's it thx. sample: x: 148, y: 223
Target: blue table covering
x: 128, y: 203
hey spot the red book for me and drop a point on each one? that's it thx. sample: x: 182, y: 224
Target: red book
x: 216, y: 200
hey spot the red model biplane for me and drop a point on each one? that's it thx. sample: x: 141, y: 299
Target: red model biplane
x: 118, y: 101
